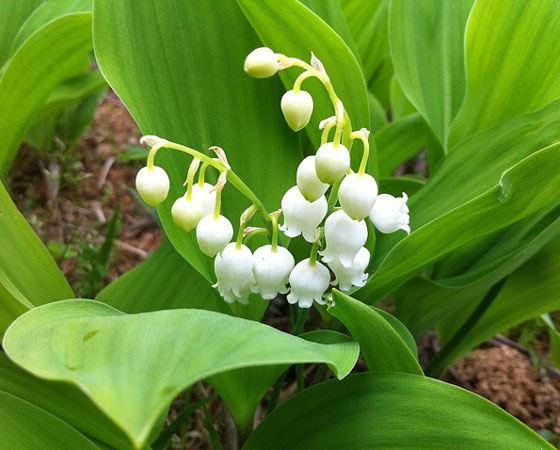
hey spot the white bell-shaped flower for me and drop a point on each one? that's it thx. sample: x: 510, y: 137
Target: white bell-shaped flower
x: 187, y: 213
x: 346, y: 277
x: 152, y: 185
x: 357, y: 195
x: 213, y: 234
x: 345, y: 237
x: 332, y: 163
x: 308, y: 283
x: 271, y: 270
x: 207, y: 198
x: 297, y: 108
x: 301, y: 216
x: 307, y: 181
x: 261, y: 63
x: 390, y: 214
x: 234, y: 272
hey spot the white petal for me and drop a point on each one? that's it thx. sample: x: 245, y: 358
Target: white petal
x: 213, y: 234
x: 357, y: 195
x: 152, y: 185
x: 344, y: 236
x: 301, y: 215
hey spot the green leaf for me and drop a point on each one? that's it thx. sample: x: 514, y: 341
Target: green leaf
x: 530, y: 291
x: 13, y: 14
x: 422, y: 302
x: 28, y: 274
x: 62, y: 400
x: 56, y: 50
x: 159, y: 354
x: 181, y: 76
x: 23, y: 425
x: 512, y: 63
x: 427, y: 48
x: 395, y: 186
x: 382, y: 346
x: 400, y: 104
x: 290, y: 28
x: 391, y: 411
x: 554, y: 340
x: 398, y: 141
x: 378, y: 117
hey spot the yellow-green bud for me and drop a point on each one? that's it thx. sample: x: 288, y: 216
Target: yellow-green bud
x: 152, y: 185
x: 332, y: 163
x: 297, y: 108
x: 261, y: 63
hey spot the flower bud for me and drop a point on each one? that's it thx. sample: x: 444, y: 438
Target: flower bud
x: 297, y: 109
x: 152, y: 185
x: 234, y: 272
x: 213, y: 234
x: 261, y: 63
x: 357, y: 195
x: 308, y: 282
x: 345, y: 237
x: 390, y: 214
x: 271, y: 270
x: 308, y: 184
x: 301, y: 216
x: 346, y: 277
x: 206, y: 198
x: 186, y: 213
x: 332, y: 163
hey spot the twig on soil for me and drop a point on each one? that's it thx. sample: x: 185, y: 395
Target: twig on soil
x: 105, y: 171
x: 131, y: 249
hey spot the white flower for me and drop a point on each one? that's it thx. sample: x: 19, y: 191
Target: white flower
x: 301, y: 216
x: 271, y: 270
x: 213, y: 234
x: 234, y: 272
x: 332, y: 163
x: 261, y: 63
x: 309, y: 185
x: 308, y: 282
x: 207, y: 198
x: 345, y: 237
x: 187, y: 213
x: 357, y: 195
x: 390, y: 214
x: 152, y: 185
x: 346, y: 277
x: 297, y: 108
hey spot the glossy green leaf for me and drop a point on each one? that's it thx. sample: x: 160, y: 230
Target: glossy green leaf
x: 512, y: 62
x: 554, y: 340
x: 28, y: 274
x: 290, y: 28
x: 54, y: 51
x: 159, y: 354
x: 181, y: 76
x: 400, y: 104
x: 25, y: 426
x: 422, y: 302
x: 427, y: 39
x: 13, y: 13
x: 398, y: 141
x: 391, y: 411
x: 381, y: 344
x: 378, y: 117
x: 530, y: 291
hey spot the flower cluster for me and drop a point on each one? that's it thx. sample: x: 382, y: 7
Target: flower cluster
x: 271, y: 269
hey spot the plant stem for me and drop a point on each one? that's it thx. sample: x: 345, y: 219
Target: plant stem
x: 439, y: 363
x: 362, y: 136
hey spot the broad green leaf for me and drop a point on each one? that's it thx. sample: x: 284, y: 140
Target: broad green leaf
x: 382, y: 346
x: 13, y: 14
x: 427, y: 39
x: 368, y: 23
x: 243, y: 389
x: 530, y: 291
x: 397, y: 185
x: 25, y: 426
x: 378, y: 117
x: 55, y: 50
x: 159, y: 354
x: 398, y: 141
x: 554, y: 340
x: 290, y: 28
x: 512, y: 62
x: 391, y: 411
x: 28, y: 274
x: 400, y: 104
x: 178, y: 67
x: 422, y: 302
x: 522, y: 190
x: 459, y: 180
x: 62, y: 400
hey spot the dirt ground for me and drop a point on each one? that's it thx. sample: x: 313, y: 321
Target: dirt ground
x: 82, y: 210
